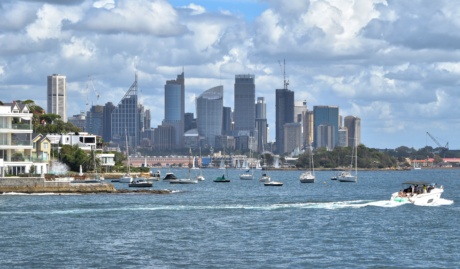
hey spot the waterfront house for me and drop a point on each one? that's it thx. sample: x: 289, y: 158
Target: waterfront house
x: 16, y: 140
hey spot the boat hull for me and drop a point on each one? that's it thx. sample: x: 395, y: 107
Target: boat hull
x: 183, y: 181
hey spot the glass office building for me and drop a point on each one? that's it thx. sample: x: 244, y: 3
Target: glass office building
x: 209, y: 108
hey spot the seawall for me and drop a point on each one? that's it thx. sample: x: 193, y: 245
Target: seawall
x: 40, y: 185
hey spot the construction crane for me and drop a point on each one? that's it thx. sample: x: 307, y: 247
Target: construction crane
x: 283, y: 69
x: 443, y: 149
x: 94, y: 89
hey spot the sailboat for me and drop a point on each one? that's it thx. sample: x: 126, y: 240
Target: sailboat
x: 309, y: 176
x: 127, y: 178
x: 348, y: 176
x: 187, y: 180
x: 249, y: 173
x: 224, y: 178
x: 200, y: 177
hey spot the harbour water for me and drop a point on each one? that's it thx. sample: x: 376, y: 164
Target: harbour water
x: 241, y: 224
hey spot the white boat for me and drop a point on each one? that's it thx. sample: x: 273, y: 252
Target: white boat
x: 418, y: 193
x: 247, y: 175
x: 416, y: 167
x: 187, y: 180
x: 140, y: 183
x: 127, y: 178
x: 309, y: 176
x: 264, y: 177
x: 348, y: 176
x: 155, y: 176
x: 269, y: 182
x: 258, y: 166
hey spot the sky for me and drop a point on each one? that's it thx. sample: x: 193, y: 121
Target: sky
x: 394, y: 64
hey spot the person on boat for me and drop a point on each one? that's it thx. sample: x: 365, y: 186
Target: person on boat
x: 223, y: 176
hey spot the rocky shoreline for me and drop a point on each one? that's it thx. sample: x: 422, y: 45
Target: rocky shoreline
x: 40, y: 185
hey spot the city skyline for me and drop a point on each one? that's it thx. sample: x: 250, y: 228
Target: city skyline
x: 392, y: 64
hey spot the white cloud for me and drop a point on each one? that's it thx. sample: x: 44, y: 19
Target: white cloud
x: 395, y: 64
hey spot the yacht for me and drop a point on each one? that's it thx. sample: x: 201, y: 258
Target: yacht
x: 418, y: 193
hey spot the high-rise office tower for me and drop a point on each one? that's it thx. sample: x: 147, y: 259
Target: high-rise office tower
x: 227, y: 120
x: 284, y: 114
x: 209, y: 109
x: 126, y: 119
x: 328, y: 117
x: 94, y: 119
x: 261, y: 123
x: 353, y: 124
x: 107, y: 121
x: 244, y: 109
x: 308, y: 128
x: 292, y: 136
x: 56, y: 101
x: 175, y: 107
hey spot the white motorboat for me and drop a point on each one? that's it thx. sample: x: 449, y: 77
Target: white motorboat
x: 155, y: 176
x: 200, y: 177
x: 140, y: 182
x: 418, y: 193
x: 307, y: 177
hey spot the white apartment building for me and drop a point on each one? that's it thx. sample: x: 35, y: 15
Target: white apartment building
x: 16, y: 141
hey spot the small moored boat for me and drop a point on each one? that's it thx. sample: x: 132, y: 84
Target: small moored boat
x: 140, y: 183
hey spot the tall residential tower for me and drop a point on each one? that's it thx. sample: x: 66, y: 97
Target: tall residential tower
x: 56, y: 91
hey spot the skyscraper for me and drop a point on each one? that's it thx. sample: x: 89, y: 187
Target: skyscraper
x: 107, y: 121
x: 353, y: 124
x: 209, y: 108
x: 244, y: 108
x: 261, y: 123
x: 328, y: 118
x: 56, y: 101
x: 227, y: 120
x: 94, y: 119
x: 126, y: 119
x: 175, y: 107
x: 284, y: 114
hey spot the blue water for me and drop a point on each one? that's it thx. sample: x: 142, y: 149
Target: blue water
x: 241, y: 224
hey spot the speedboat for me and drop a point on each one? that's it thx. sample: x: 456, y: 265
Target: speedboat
x: 307, y: 177
x: 140, y: 182
x: 418, y: 193
x: 200, y: 178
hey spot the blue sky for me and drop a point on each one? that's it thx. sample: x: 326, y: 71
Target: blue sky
x: 394, y: 64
